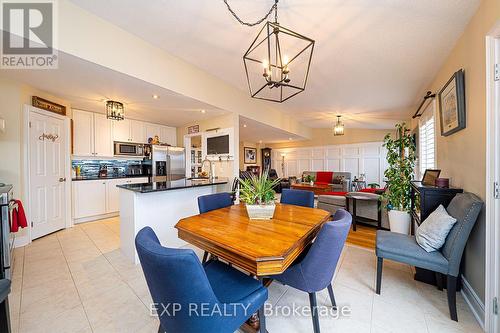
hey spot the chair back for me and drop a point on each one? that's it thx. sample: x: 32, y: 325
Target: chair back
x: 320, y: 262
x: 465, y: 207
x: 272, y: 174
x: 297, y: 197
x: 210, y: 202
x: 174, y: 276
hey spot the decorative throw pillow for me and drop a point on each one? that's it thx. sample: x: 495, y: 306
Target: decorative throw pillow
x: 338, y: 180
x: 432, y: 233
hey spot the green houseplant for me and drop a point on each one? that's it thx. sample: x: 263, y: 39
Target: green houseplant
x: 401, y: 159
x: 257, y: 192
x: 309, y: 179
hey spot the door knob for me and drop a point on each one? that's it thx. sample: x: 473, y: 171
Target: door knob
x: 62, y: 180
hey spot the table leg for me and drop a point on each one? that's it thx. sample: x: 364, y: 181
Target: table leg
x: 379, y: 214
x: 354, y: 214
x: 254, y: 324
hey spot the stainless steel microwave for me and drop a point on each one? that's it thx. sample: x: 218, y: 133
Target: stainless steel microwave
x: 129, y: 149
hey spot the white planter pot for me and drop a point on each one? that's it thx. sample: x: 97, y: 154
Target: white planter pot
x: 399, y: 221
x: 260, y: 212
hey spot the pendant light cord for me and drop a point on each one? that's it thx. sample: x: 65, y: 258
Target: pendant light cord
x: 274, y: 7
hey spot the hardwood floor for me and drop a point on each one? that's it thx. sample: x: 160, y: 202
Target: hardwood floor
x: 364, y: 236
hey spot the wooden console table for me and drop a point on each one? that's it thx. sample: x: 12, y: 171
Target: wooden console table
x: 318, y: 189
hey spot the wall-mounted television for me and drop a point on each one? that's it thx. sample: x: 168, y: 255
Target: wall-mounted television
x: 218, y: 145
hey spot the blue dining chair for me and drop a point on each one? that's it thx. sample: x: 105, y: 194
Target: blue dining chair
x: 314, y: 270
x: 191, y: 297
x: 297, y: 198
x: 210, y: 202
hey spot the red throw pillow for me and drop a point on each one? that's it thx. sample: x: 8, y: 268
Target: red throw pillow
x: 340, y: 194
x: 324, y: 177
x: 372, y: 190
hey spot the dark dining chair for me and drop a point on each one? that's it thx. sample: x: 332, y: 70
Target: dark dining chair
x: 207, y: 203
x: 297, y: 197
x: 191, y: 297
x: 313, y: 270
x: 465, y: 207
x: 4, y: 305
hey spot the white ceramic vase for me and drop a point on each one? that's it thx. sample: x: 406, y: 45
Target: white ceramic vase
x: 399, y: 221
x: 260, y: 212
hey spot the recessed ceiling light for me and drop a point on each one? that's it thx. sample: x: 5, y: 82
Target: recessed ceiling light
x: 203, y: 111
x: 156, y: 96
x: 244, y: 125
x: 290, y: 139
x: 260, y: 141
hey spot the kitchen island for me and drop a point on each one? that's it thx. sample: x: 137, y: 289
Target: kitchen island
x: 160, y: 205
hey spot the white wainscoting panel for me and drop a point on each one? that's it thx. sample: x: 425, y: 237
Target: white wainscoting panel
x: 361, y: 158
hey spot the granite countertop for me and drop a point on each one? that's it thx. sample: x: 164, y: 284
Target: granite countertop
x: 107, y: 177
x: 172, y: 185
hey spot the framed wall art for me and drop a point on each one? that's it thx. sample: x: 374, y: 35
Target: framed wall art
x: 250, y: 155
x: 452, y: 104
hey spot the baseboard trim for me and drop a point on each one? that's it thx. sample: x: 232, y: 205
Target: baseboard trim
x: 95, y: 218
x: 21, y: 241
x: 473, y: 301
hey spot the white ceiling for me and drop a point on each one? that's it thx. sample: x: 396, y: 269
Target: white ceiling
x: 372, y: 62
x: 87, y: 86
x: 256, y: 132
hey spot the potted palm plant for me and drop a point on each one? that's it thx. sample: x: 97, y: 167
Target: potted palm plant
x: 401, y: 159
x: 257, y: 192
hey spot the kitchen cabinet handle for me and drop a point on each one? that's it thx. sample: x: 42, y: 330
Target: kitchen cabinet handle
x: 62, y: 180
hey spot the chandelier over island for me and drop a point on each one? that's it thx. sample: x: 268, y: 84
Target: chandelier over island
x: 114, y: 110
x: 278, y: 60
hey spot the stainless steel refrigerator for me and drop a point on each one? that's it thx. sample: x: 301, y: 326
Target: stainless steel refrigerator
x: 168, y: 163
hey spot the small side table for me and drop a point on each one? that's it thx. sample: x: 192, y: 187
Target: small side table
x: 360, y: 219
x: 358, y: 185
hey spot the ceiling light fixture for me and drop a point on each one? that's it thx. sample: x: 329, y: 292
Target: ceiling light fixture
x: 284, y: 55
x: 203, y: 111
x: 156, y: 97
x: 114, y: 110
x: 245, y: 125
x: 338, y: 129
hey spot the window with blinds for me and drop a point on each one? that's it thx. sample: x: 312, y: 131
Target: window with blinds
x: 427, y: 140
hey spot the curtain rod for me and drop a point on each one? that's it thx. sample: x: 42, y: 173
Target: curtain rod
x: 426, y: 97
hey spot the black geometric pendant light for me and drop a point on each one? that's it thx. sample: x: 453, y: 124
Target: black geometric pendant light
x: 278, y: 60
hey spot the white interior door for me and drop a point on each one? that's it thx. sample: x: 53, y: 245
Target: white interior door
x: 47, y: 142
x: 496, y: 174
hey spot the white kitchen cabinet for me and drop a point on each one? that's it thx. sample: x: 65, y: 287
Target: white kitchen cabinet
x: 168, y: 135
x: 89, y: 198
x: 137, y: 133
x: 113, y: 192
x: 152, y: 130
x: 83, y: 133
x: 99, y: 197
x: 103, y: 137
x: 121, y: 130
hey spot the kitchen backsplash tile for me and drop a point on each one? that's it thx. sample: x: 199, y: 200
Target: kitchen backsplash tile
x: 90, y: 168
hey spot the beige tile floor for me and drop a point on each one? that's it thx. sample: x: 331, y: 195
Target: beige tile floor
x: 76, y: 280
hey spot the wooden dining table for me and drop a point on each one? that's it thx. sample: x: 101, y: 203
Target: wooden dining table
x: 260, y: 247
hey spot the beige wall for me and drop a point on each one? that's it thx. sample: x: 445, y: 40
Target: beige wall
x: 10, y: 140
x: 243, y: 144
x: 324, y: 136
x: 462, y: 156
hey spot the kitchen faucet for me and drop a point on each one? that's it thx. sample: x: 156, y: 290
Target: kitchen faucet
x: 211, y: 172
